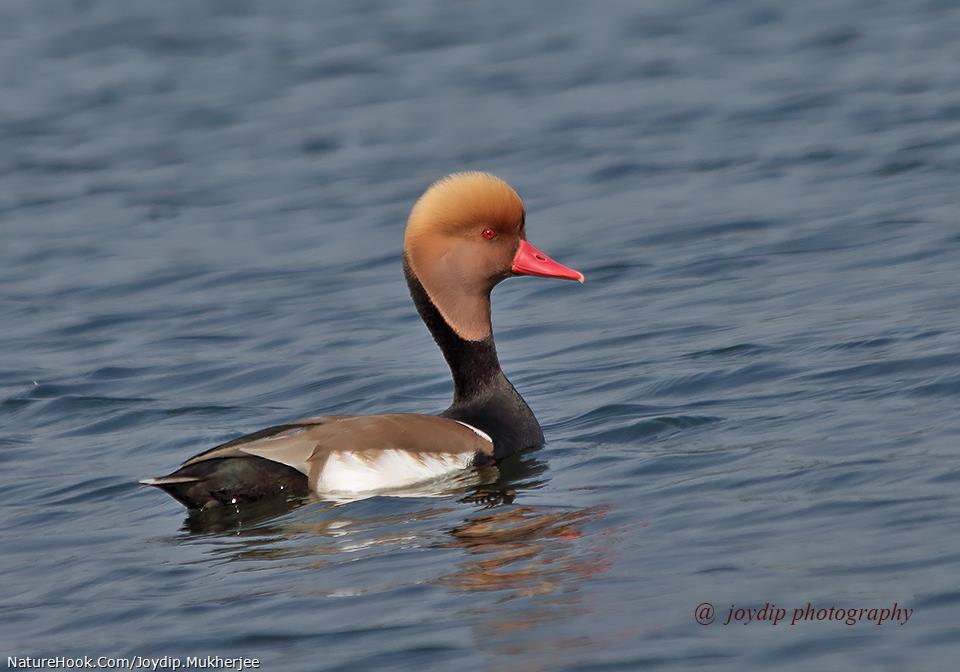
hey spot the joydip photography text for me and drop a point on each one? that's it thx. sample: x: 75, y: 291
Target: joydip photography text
x: 771, y: 614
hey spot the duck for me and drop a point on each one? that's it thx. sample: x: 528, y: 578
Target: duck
x: 464, y: 235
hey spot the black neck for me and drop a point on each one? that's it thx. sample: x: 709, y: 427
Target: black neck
x: 482, y: 395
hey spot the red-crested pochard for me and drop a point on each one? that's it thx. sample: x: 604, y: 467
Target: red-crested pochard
x: 464, y: 235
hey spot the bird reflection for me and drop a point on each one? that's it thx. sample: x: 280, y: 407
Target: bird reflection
x: 529, y: 558
x: 519, y: 548
x: 508, y: 546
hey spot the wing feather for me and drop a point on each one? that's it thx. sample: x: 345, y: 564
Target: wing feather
x: 306, y: 445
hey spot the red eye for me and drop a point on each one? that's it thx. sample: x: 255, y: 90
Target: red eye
x: 489, y: 234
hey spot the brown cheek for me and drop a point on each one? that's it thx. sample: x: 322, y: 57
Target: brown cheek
x: 488, y: 263
x: 511, y: 253
x: 499, y: 259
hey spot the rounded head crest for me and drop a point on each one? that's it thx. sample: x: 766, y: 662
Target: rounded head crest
x: 459, y: 202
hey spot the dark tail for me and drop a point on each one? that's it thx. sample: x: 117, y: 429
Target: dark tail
x: 230, y: 481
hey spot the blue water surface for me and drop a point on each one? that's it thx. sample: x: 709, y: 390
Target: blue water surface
x: 753, y: 399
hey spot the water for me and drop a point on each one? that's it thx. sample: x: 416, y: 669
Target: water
x: 752, y: 399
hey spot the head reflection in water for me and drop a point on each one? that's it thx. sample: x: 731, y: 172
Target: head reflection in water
x: 528, y: 552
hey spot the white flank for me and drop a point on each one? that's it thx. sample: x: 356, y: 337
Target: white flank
x: 479, y: 432
x: 390, y: 469
x: 168, y: 480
